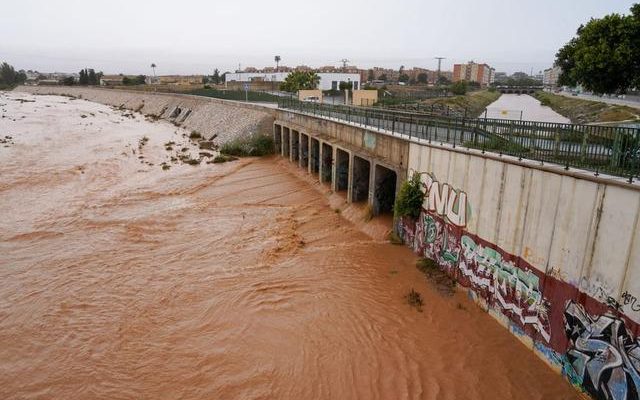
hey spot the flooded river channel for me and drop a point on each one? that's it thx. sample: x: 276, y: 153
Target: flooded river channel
x: 126, y: 275
x: 523, y: 106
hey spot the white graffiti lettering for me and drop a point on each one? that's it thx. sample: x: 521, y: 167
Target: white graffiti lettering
x: 444, y: 200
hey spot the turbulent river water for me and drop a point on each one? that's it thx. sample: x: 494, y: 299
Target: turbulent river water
x: 123, y: 280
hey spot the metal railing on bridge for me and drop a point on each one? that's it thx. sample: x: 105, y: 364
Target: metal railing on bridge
x: 601, y: 149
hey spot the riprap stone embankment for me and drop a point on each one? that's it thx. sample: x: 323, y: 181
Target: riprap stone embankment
x: 222, y: 119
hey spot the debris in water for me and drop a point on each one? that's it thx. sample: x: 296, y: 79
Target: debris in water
x: 415, y: 300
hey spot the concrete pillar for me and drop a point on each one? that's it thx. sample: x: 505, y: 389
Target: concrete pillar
x: 334, y: 150
x: 299, y: 149
x: 275, y: 132
x: 320, y: 158
x: 309, y: 148
x: 290, y: 144
x: 350, y: 184
x: 372, y: 182
x: 282, y: 144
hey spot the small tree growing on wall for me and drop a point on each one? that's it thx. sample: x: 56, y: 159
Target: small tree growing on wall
x: 410, y: 198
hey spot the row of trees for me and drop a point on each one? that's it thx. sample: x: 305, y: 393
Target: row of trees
x: 421, y: 78
x: 10, y: 77
x: 604, y: 56
x: 88, y: 76
x: 136, y: 80
x: 216, y: 78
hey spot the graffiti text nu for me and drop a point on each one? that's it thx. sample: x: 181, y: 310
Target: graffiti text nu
x: 445, y: 201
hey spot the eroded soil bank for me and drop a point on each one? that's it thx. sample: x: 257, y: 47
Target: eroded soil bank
x: 123, y: 280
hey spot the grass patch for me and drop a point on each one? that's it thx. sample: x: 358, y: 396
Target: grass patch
x: 236, y: 95
x: 414, y: 299
x: 472, y: 104
x: 222, y: 158
x: 581, y: 111
x: 254, y: 145
x: 394, y: 238
x: 142, y: 142
x: 191, y: 161
x: 443, y: 283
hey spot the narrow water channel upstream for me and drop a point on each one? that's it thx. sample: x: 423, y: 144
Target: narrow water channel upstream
x: 524, y: 107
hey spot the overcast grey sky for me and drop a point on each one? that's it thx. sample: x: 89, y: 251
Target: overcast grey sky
x: 191, y: 36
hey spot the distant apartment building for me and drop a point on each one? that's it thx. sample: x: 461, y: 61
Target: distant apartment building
x: 180, y: 80
x: 328, y: 80
x: 386, y: 74
x: 550, y: 77
x: 473, y: 72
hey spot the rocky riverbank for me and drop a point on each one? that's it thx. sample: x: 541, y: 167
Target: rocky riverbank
x: 213, y: 118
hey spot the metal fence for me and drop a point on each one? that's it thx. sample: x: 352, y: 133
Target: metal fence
x: 601, y: 149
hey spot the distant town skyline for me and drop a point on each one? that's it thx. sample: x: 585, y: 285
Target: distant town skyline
x: 196, y: 37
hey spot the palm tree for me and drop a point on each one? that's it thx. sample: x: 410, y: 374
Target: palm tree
x: 277, y: 60
x: 153, y: 66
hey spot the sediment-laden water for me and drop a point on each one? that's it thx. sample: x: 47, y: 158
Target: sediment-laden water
x: 121, y: 279
x: 523, y: 106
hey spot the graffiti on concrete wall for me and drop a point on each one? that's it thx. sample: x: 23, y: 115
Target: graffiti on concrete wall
x: 581, y: 326
x: 602, y: 352
x: 445, y: 201
x: 511, y: 288
x: 491, y: 273
x: 630, y: 301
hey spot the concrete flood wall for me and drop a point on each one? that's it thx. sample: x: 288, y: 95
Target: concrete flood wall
x: 226, y: 120
x: 554, y: 258
x: 366, y: 165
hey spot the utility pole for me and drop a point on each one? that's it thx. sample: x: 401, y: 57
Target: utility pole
x: 344, y: 62
x: 439, y: 65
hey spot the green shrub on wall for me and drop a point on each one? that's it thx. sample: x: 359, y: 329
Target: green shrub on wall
x: 410, y: 197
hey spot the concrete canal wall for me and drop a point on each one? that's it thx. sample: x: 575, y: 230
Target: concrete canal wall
x: 553, y: 257
x: 223, y: 119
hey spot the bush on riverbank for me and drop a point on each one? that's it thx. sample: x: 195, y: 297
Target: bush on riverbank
x: 410, y: 197
x: 254, y: 145
x: 581, y: 111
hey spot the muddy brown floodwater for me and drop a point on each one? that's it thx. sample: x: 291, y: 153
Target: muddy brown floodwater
x: 121, y: 280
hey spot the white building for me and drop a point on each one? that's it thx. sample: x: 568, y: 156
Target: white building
x: 328, y: 80
x: 550, y: 78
